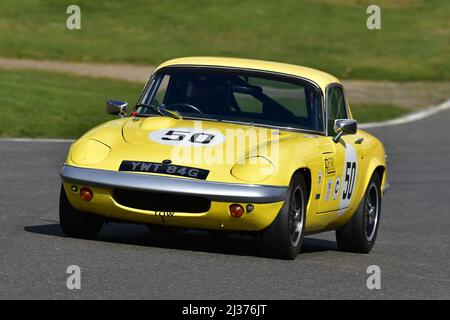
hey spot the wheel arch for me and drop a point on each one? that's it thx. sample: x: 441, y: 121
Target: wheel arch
x: 306, y: 172
x: 376, y: 167
x: 380, y: 170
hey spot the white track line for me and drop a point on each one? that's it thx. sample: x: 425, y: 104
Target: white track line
x: 406, y: 119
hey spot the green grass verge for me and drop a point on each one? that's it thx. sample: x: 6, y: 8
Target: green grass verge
x: 329, y: 35
x: 376, y: 112
x: 40, y: 104
x: 53, y: 105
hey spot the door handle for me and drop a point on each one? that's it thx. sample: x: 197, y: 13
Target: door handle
x: 359, y: 141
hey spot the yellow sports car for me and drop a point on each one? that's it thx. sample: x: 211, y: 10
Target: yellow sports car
x: 226, y: 144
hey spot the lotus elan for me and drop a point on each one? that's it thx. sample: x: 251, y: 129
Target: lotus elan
x: 231, y: 145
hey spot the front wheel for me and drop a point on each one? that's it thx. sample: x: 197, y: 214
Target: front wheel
x: 76, y: 223
x: 360, y: 233
x: 284, y: 237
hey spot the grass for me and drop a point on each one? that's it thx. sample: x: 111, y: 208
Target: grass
x: 329, y: 35
x: 54, y: 105
x: 40, y: 104
x: 376, y: 112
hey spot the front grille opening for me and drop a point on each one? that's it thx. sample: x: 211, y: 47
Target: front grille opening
x: 156, y: 201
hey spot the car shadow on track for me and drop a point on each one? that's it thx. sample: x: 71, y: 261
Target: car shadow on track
x: 201, y: 241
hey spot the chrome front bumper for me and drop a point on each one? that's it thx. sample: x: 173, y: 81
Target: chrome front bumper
x: 215, y: 191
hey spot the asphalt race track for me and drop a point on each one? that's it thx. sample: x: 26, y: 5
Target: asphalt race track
x: 127, y: 261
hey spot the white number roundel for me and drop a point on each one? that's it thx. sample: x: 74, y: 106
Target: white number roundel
x: 187, y: 137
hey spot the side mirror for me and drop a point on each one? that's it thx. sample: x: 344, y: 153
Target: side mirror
x: 344, y: 126
x: 116, y: 107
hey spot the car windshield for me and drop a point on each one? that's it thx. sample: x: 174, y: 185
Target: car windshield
x: 235, y: 96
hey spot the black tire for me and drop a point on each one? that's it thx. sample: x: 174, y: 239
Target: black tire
x: 76, y: 223
x: 281, y: 239
x: 360, y: 233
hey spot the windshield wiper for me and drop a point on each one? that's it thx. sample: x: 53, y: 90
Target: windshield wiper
x: 163, y: 112
x: 173, y: 114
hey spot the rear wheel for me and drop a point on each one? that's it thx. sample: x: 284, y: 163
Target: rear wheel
x: 284, y: 237
x: 76, y: 223
x: 360, y: 233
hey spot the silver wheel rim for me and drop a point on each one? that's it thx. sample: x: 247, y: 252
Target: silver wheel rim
x: 296, y: 216
x: 371, y: 212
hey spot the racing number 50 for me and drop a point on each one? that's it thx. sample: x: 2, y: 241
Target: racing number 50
x: 350, y: 173
x: 197, y: 137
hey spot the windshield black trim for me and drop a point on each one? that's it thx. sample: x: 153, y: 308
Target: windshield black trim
x: 251, y: 71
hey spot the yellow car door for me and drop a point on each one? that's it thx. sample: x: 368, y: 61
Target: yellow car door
x: 341, y: 161
x: 349, y: 173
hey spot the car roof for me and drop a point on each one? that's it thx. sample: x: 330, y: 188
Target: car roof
x: 322, y: 79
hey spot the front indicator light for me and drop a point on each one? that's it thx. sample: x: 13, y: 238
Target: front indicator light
x: 86, y: 194
x: 236, y: 210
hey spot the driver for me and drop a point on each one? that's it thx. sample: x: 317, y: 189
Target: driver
x: 210, y: 95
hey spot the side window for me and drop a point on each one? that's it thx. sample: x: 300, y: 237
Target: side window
x: 336, y: 107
